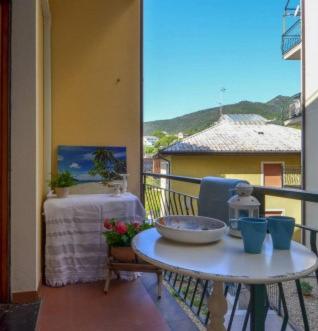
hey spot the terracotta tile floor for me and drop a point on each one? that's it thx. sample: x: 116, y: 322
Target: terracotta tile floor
x: 129, y: 306
x: 84, y: 307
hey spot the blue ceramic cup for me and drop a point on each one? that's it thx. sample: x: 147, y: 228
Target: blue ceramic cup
x: 281, y: 229
x: 253, y: 232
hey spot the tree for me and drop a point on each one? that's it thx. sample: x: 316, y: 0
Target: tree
x: 159, y: 134
x: 191, y: 132
x: 107, y: 166
x: 150, y: 150
x: 165, y: 141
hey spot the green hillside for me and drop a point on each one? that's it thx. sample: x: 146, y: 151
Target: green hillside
x: 199, y: 120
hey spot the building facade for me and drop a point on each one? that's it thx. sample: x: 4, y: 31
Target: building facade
x: 245, y: 147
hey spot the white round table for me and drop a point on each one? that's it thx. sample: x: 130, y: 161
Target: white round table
x: 226, y: 261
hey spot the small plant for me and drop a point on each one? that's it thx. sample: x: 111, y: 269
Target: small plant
x: 306, y: 288
x: 120, y: 234
x: 62, y: 179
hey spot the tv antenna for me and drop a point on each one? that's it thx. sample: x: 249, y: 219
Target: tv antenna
x: 222, y: 92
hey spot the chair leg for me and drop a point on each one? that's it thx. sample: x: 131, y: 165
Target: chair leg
x: 107, y: 281
x: 159, y: 279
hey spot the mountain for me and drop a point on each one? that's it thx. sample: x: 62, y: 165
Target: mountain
x: 200, y: 120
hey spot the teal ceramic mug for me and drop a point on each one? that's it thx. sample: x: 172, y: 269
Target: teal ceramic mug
x: 253, y: 232
x: 281, y: 229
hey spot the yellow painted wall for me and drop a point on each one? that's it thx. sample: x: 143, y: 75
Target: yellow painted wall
x: 242, y: 167
x: 96, y: 77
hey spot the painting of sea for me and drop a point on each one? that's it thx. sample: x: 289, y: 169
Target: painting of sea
x: 93, y: 163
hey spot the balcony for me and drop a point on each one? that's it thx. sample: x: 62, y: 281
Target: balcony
x: 287, y: 307
x: 183, y: 305
x: 293, y: 113
x: 100, y: 105
x: 291, y: 38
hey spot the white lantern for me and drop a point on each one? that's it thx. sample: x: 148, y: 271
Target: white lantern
x: 243, y: 204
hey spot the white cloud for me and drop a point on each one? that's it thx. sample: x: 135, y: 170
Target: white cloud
x: 60, y: 157
x: 88, y: 156
x: 119, y: 154
x: 75, y: 165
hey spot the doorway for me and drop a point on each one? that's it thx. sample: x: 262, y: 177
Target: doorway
x: 272, y: 174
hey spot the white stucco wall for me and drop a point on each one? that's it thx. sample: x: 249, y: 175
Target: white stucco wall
x: 311, y: 48
x: 311, y: 94
x: 24, y: 231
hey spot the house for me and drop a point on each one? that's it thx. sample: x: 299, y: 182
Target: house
x: 245, y: 146
x: 150, y: 141
x: 182, y: 135
x: 291, y: 50
x: 299, y: 32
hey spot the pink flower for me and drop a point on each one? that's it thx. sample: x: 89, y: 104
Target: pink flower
x: 107, y: 224
x: 121, y: 227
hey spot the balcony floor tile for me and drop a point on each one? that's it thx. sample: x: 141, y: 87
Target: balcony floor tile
x: 85, y: 307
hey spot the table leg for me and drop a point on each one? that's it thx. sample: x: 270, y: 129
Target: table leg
x: 258, y: 303
x: 159, y: 280
x: 217, y: 307
x: 107, y: 280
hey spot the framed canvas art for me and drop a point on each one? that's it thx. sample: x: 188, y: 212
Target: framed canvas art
x: 93, y: 163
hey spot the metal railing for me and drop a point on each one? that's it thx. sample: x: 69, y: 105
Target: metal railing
x: 291, y: 26
x: 291, y: 7
x: 291, y: 37
x: 292, y: 176
x: 160, y: 201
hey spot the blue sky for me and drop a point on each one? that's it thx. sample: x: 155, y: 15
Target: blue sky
x: 193, y: 48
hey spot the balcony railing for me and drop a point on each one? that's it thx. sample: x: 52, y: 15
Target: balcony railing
x: 291, y: 26
x: 286, y: 299
x: 292, y: 176
x: 291, y: 37
x: 292, y: 8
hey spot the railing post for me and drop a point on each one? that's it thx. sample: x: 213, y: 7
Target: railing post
x: 142, y: 187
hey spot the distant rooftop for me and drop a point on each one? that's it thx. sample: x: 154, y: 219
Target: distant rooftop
x: 245, y: 119
x: 240, y: 133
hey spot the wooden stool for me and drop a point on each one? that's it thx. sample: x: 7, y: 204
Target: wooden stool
x: 124, y: 259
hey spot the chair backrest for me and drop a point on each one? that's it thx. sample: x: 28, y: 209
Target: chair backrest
x: 213, y: 197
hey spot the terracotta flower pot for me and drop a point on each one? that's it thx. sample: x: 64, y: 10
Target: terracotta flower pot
x: 61, y: 192
x: 123, y: 254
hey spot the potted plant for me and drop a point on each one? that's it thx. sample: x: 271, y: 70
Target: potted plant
x: 121, y: 256
x: 119, y: 235
x: 61, y: 182
x: 306, y: 288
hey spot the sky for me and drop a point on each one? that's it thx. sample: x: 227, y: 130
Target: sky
x: 193, y: 48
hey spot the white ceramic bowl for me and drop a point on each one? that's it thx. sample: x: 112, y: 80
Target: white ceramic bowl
x: 191, y: 229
